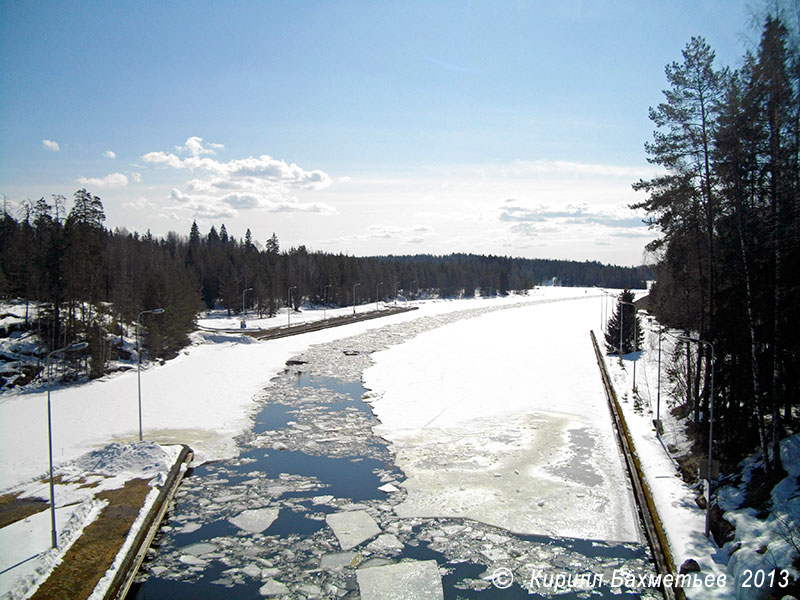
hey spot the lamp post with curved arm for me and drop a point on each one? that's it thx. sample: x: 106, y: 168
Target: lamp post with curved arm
x: 635, y: 340
x: 53, y: 534
x: 155, y: 311
x: 244, y: 310
x: 289, y: 305
x: 354, y: 296
x: 325, y: 299
x: 710, y: 425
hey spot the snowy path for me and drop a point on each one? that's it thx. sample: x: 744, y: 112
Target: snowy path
x: 502, y: 419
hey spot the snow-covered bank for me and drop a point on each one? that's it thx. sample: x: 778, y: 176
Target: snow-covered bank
x: 26, y: 555
x: 204, y: 398
x: 502, y: 419
x: 760, y: 544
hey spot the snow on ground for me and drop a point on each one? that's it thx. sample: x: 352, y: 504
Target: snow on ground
x: 683, y: 520
x: 503, y: 419
x: 26, y: 555
x: 205, y: 398
x: 763, y: 543
x: 675, y: 500
x: 220, y: 319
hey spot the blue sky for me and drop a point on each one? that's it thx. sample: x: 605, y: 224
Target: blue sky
x: 510, y: 128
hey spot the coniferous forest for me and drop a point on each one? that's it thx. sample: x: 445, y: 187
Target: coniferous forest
x: 83, y: 280
x: 728, y: 258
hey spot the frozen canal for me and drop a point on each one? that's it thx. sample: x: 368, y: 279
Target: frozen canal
x: 489, y: 456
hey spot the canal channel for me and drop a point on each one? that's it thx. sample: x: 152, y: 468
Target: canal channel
x: 255, y: 526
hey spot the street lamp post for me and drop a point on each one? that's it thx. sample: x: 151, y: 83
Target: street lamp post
x: 155, y: 311
x: 244, y: 310
x: 325, y: 300
x: 53, y: 534
x: 395, y: 292
x: 658, y: 394
x: 289, y: 305
x: 710, y: 426
x: 377, y: 285
x: 635, y: 341
x: 411, y: 286
x: 354, y: 296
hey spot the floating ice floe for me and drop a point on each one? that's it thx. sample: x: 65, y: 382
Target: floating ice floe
x: 413, y: 579
x: 353, y: 527
x: 273, y: 588
x: 385, y: 543
x: 256, y: 520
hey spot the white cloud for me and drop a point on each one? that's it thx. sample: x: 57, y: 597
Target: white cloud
x: 565, y: 167
x: 223, y: 188
x: 51, y: 145
x: 578, y: 213
x: 403, y: 235
x: 194, y: 146
x: 109, y: 154
x: 113, y: 180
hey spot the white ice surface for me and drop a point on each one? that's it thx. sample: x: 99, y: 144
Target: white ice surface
x: 204, y: 398
x: 352, y: 527
x: 419, y: 580
x: 255, y: 520
x: 502, y: 419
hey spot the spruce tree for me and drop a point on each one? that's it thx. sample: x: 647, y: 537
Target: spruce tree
x: 632, y: 335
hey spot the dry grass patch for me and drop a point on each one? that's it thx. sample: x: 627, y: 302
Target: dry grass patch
x: 93, y: 553
x: 13, y: 508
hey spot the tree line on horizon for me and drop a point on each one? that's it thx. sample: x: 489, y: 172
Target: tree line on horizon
x: 84, y: 281
x: 727, y: 261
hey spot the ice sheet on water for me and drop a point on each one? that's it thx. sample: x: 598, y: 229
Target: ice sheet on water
x: 272, y: 587
x: 255, y: 520
x: 385, y: 543
x: 410, y: 579
x: 352, y: 528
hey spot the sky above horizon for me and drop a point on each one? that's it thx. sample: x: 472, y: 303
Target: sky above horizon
x: 510, y: 127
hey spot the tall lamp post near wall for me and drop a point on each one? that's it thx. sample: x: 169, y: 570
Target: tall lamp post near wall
x: 325, y: 299
x: 377, y: 285
x: 710, y: 426
x: 354, y: 296
x: 289, y: 305
x: 155, y: 311
x: 70, y: 348
x: 244, y: 310
x: 661, y: 331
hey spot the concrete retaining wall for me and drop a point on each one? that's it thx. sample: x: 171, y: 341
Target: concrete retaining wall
x: 123, y: 578
x: 654, y: 528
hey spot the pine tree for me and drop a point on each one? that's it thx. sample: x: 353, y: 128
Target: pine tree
x: 248, y: 242
x: 272, y: 244
x: 194, y: 234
